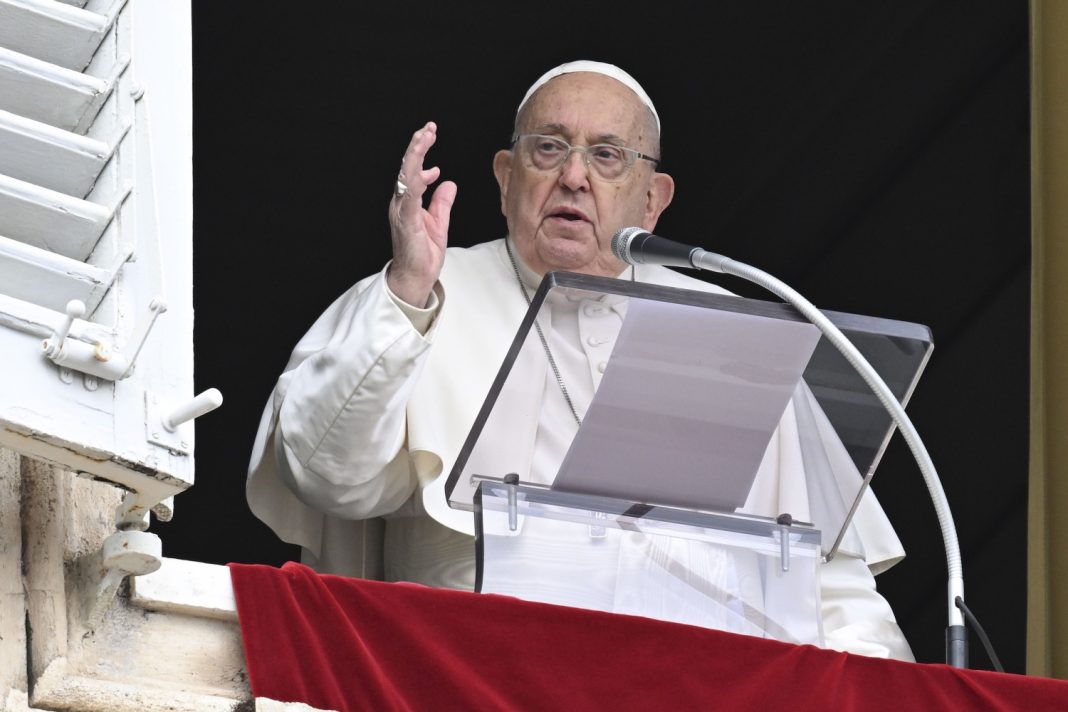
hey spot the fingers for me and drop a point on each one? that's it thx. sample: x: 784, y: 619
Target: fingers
x: 429, y: 175
x: 441, y: 203
x: 412, y: 173
x: 409, y: 221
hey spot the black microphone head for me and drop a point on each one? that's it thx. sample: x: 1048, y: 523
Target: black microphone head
x: 621, y: 243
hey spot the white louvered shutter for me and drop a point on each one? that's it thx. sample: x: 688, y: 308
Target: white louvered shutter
x: 96, y: 207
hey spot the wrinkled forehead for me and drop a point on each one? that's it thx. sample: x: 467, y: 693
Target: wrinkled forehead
x: 589, y: 108
x: 582, y: 104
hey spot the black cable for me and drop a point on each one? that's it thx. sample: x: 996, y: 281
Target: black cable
x: 974, y: 623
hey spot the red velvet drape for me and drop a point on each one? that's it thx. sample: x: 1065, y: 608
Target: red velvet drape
x: 350, y: 644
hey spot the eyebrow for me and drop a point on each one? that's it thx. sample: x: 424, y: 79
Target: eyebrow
x: 563, y: 130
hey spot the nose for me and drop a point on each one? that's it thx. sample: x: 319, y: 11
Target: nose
x: 574, y: 174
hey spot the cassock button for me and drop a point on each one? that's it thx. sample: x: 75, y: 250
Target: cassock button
x: 602, y: 366
x: 596, y: 340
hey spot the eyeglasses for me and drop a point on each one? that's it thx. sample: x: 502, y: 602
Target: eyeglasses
x: 606, y: 161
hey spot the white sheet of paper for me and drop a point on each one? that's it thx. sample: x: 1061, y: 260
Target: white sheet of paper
x: 687, y: 406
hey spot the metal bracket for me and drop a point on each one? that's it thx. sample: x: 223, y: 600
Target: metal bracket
x: 785, y: 521
x: 511, y: 482
x: 100, y: 360
x: 163, y: 422
x: 125, y: 553
x: 131, y: 551
x: 155, y: 433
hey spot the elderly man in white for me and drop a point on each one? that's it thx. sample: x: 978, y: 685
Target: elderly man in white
x: 379, y: 395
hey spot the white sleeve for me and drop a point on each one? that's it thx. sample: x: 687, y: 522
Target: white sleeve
x: 339, y: 432
x: 856, y: 618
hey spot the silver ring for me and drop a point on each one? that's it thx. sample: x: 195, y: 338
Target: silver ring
x: 400, y: 190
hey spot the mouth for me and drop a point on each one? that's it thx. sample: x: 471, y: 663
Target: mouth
x: 568, y: 214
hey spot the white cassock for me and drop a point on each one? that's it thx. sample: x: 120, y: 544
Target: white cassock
x: 366, y: 421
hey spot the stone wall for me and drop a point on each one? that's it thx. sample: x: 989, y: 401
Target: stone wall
x: 52, y: 525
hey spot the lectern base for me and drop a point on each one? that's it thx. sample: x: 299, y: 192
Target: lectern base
x: 740, y: 574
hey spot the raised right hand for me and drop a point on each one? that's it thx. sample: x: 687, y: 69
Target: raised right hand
x: 420, y: 235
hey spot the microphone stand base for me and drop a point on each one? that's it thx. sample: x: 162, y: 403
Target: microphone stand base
x: 957, y: 646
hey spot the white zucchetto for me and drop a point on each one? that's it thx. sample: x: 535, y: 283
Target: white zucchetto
x: 585, y: 65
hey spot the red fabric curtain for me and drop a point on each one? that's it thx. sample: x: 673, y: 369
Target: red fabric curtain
x: 351, y: 644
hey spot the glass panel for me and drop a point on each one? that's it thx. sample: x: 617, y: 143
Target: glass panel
x: 713, y: 571
x: 702, y: 408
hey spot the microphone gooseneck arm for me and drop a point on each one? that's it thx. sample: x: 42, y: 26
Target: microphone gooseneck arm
x: 626, y: 244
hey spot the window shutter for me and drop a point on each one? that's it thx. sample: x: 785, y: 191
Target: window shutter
x: 96, y: 322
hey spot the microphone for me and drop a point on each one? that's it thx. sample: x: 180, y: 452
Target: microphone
x: 636, y: 246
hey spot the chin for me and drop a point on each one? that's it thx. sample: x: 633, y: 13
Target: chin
x: 567, y: 256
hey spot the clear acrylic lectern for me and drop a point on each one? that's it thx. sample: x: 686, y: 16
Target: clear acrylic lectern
x: 667, y: 500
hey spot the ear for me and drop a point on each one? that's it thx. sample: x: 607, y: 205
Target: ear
x: 661, y: 191
x: 502, y: 169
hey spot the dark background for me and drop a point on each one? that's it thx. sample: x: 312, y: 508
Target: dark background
x: 875, y: 156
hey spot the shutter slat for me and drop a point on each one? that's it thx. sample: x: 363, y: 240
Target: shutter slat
x: 51, y: 31
x: 50, y: 280
x: 50, y: 220
x: 46, y: 92
x: 52, y: 158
